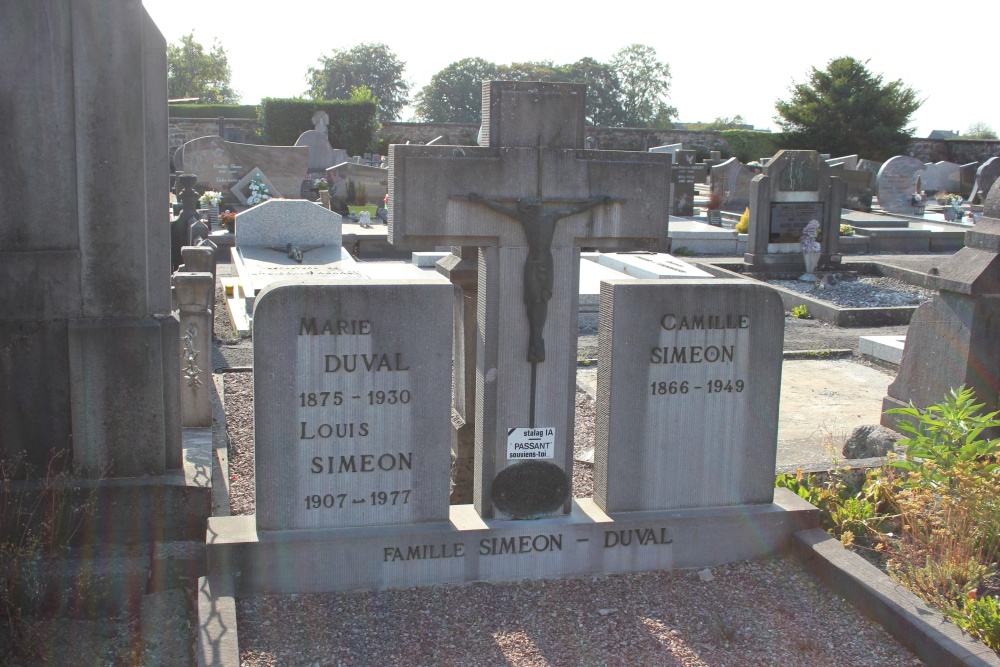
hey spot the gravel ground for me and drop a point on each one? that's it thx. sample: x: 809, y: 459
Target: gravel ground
x: 741, y: 614
x: 861, y: 292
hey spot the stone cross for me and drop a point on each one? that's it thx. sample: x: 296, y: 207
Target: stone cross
x: 532, y: 155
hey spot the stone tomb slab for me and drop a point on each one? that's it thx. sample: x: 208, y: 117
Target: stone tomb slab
x: 689, y: 379
x: 650, y: 265
x: 352, y: 417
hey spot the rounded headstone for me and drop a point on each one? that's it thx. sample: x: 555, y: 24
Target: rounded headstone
x: 896, y: 183
x: 530, y: 489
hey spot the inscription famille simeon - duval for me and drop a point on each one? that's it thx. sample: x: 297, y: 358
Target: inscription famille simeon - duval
x: 528, y: 544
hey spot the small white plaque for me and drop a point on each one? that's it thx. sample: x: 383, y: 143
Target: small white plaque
x: 531, y: 443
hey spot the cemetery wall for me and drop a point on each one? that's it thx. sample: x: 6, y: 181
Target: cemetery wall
x: 182, y: 130
x: 959, y: 151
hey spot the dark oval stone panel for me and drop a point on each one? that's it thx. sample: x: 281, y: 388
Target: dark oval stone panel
x: 530, y: 489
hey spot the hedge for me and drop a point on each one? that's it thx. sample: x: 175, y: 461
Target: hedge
x: 352, y: 124
x: 212, y: 110
x: 749, y: 145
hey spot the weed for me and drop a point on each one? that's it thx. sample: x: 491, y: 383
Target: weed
x: 802, y: 312
x: 37, y: 522
x: 846, y: 230
x: 980, y: 618
x: 682, y: 252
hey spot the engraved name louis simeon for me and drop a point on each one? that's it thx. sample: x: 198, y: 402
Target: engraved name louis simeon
x: 696, y: 355
x: 353, y: 403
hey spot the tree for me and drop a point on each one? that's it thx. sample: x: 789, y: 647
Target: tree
x: 604, y: 90
x: 193, y: 73
x: 645, y: 85
x: 847, y: 109
x: 373, y: 66
x: 455, y: 94
x: 980, y: 130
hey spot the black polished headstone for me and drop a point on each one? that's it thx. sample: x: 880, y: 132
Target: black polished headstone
x: 530, y: 489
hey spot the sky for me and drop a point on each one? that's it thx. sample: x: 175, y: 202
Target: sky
x: 726, y: 58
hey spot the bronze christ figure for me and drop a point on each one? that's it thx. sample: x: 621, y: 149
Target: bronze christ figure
x: 539, y: 228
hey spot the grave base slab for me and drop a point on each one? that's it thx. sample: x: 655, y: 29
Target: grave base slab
x: 468, y: 548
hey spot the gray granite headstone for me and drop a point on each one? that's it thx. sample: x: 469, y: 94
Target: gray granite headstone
x: 689, y: 376
x: 871, y: 166
x: 859, y: 188
x: 351, y: 404
x: 967, y: 176
x: 221, y: 165
x: 89, y: 362
x: 683, y: 175
x: 941, y: 177
x: 321, y: 154
x: 986, y: 176
x: 732, y: 179
x: 278, y: 222
x: 897, y: 182
x: 374, y: 179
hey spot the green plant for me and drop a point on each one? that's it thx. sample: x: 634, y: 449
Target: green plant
x: 802, y: 312
x: 846, y: 230
x: 846, y: 512
x: 352, y: 124
x: 682, y: 251
x: 352, y: 193
x: 361, y: 195
x: 749, y: 145
x: 980, y: 617
x: 743, y: 226
x: 946, y: 434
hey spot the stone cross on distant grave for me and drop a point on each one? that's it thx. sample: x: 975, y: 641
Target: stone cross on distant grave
x: 529, y: 199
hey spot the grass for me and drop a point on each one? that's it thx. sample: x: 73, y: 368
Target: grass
x: 931, y: 518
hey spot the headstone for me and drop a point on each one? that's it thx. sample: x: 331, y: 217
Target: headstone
x: 533, y: 174
x: 859, y: 188
x: 374, y: 180
x: 321, y: 154
x: 224, y: 166
x: 941, y: 177
x: 732, y: 179
x: 967, y: 177
x: 89, y: 363
x: 897, y: 183
x: 871, y: 166
x: 848, y: 162
x: 351, y: 404
x: 986, y: 176
x: 682, y: 178
x: 952, y: 339
x: 796, y: 187
x: 285, y: 239
x: 689, y: 375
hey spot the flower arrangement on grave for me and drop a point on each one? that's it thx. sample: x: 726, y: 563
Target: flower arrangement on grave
x: 846, y: 230
x: 228, y: 220
x: 210, y: 198
x: 258, y: 191
x: 808, y: 240
x: 743, y: 226
x: 321, y: 185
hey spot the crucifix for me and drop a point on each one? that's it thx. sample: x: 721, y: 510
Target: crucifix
x: 529, y: 200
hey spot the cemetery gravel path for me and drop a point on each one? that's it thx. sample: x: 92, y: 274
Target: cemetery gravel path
x: 736, y: 615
